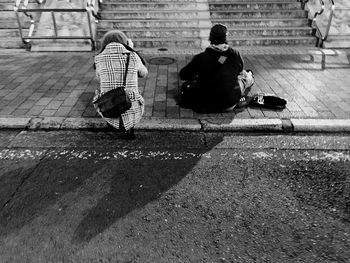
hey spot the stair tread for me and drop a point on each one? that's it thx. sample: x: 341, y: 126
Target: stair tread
x: 203, y: 19
x: 200, y: 28
x: 281, y: 12
x: 198, y: 11
x: 235, y: 38
x: 210, y: 2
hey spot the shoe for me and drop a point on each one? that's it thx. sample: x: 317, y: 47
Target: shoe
x: 243, y: 102
x: 249, y: 70
x: 129, y: 134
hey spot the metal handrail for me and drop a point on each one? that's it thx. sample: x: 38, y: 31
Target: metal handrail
x: 22, y: 8
x: 17, y: 7
x: 91, y: 5
x: 303, y: 3
x: 320, y: 38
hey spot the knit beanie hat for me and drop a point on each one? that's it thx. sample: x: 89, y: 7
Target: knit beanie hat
x: 218, y: 34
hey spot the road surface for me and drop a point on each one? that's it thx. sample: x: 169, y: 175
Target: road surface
x: 83, y: 196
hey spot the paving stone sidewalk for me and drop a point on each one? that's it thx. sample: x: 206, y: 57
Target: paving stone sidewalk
x: 315, y: 83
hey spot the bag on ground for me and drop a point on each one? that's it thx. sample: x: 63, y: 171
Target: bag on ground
x: 188, y: 92
x: 267, y: 101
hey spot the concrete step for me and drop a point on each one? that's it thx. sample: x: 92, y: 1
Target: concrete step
x: 7, y: 14
x: 234, y: 14
x: 180, y: 5
x: 150, y: 1
x: 10, y: 43
x: 239, y: 42
x: 263, y: 22
x: 60, y: 45
x: 12, y: 24
x: 154, y: 14
x: 158, y: 32
x: 153, y: 23
x: 338, y: 41
x: 210, y: 1
x: 273, y: 41
x: 12, y: 33
x: 186, y: 24
x: 185, y: 14
x: 250, y: 1
x: 204, y: 32
x: 181, y: 23
x: 167, y: 42
x: 9, y: 6
x: 254, y: 5
x: 270, y: 31
x: 13, y: 2
x: 161, y: 5
x: 11, y: 15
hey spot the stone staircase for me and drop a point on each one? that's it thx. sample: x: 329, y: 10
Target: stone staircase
x: 186, y: 24
x: 263, y: 22
x: 9, y: 33
x: 157, y: 23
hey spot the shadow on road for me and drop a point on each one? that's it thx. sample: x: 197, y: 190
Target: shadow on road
x: 135, y: 183
x: 151, y: 167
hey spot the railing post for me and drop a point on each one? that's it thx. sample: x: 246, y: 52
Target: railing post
x: 19, y: 26
x: 303, y: 3
x: 54, y: 22
x: 20, y: 7
x: 31, y: 28
x: 329, y: 21
x: 90, y: 29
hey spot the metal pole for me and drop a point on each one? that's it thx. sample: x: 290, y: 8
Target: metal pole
x: 329, y: 21
x: 54, y: 22
x: 90, y: 29
x: 20, y: 27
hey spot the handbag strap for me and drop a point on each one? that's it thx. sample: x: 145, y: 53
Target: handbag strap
x: 126, y: 70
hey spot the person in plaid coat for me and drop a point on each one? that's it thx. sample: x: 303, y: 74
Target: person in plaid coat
x: 110, y: 66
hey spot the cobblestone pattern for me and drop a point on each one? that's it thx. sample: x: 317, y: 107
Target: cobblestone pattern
x: 62, y: 85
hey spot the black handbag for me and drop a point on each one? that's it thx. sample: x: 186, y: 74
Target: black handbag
x: 115, y: 102
x: 188, y: 92
x: 267, y: 101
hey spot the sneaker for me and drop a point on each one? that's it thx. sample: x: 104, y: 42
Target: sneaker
x: 243, y: 102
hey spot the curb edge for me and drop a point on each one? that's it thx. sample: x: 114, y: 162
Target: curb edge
x: 162, y: 124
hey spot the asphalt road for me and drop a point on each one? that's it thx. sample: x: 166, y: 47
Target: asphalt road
x: 79, y: 196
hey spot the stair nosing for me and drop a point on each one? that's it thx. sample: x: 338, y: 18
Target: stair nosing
x: 197, y: 11
x: 199, y: 28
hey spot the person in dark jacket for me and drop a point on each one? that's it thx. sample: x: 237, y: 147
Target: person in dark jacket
x: 221, y: 80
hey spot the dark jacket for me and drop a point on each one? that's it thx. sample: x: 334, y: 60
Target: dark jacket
x: 217, y: 73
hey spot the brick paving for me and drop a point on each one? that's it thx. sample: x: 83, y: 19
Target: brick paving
x: 315, y: 83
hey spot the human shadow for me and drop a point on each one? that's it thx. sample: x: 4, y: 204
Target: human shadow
x: 29, y: 189
x: 135, y: 182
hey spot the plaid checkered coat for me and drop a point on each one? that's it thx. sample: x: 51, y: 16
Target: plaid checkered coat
x: 110, y: 69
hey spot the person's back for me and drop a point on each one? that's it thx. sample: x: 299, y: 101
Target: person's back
x: 118, y: 62
x: 217, y: 70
